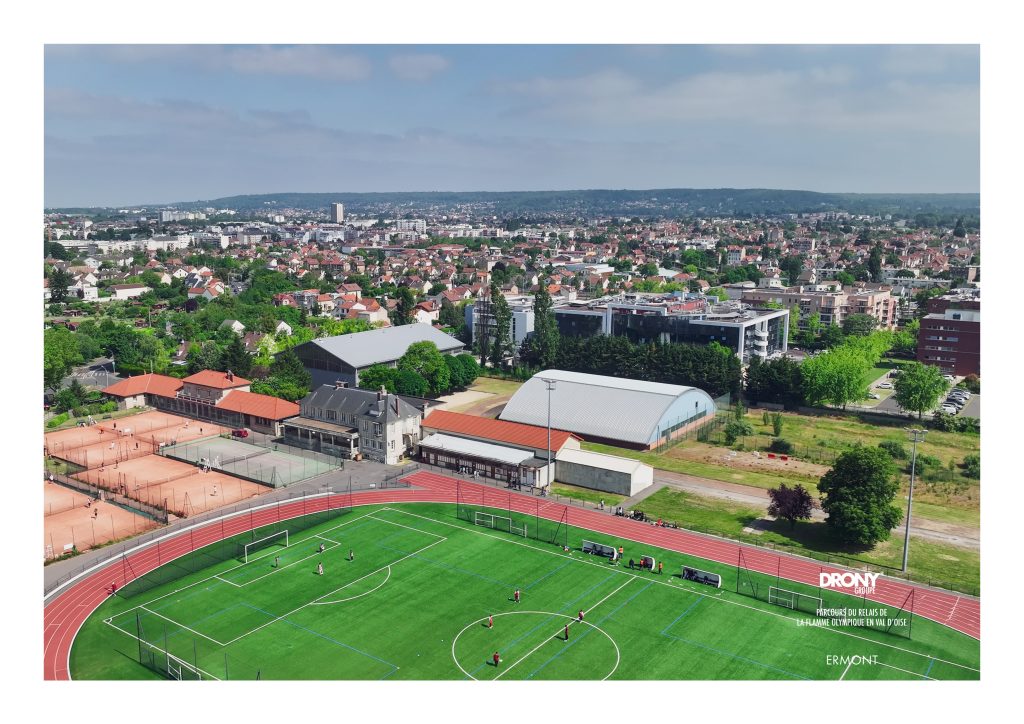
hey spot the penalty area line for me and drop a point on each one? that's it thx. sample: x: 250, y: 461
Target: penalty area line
x: 329, y: 593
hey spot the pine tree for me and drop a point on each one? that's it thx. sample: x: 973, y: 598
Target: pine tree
x: 235, y: 358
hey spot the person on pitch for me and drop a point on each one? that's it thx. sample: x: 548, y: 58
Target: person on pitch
x: 319, y: 569
x: 515, y: 596
x: 490, y: 622
x: 566, y: 632
x: 497, y: 659
x: 321, y: 549
x: 580, y: 618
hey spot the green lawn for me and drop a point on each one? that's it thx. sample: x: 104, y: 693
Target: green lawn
x: 930, y: 562
x: 415, y: 601
x: 587, y: 494
x: 877, y: 372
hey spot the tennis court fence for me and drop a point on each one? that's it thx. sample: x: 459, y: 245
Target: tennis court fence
x: 266, y: 463
x: 128, y: 501
x: 279, y: 444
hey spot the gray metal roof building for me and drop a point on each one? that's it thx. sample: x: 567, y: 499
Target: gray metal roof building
x: 619, y: 411
x: 342, y: 358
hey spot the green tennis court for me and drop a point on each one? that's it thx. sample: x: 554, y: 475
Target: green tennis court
x: 263, y: 464
x: 415, y: 599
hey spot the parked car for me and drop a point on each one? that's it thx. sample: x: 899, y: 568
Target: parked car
x: 884, y: 385
x: 960, y: 393
x: 873, y: 396
x: 949, y: 409
x: 240, y: 433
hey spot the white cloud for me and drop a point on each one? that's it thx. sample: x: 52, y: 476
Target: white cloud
x: 419, y: 67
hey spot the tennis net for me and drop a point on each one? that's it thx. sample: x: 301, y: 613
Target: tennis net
x: 246, y: 456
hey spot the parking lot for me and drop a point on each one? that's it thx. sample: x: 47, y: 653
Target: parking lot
x: 888, y: 404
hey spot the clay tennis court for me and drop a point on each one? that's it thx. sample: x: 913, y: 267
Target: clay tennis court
x: 147, y: 429
x: 181, y: 488
x: 68, y: 522
x: 113, y: 441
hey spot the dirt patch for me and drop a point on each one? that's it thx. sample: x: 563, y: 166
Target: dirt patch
x: 758, y: 527
x: 459, y: 401
x: 489, y: 407
x: 754, y: 461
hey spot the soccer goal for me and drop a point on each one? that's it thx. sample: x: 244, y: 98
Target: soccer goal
x: 793, y: 600
x: 182, y: 671
x: 499, y: 522
x: 280, y: 538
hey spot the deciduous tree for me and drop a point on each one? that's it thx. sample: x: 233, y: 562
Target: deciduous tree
x: 857, y: 495
x: 60, y: 354
x: 791, y: 504
x: 919, y: 387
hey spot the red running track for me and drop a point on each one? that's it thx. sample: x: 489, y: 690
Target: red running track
x: 64, y: 615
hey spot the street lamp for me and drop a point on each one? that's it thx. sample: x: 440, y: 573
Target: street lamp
x: 550, y: 384
x: 918, y: 436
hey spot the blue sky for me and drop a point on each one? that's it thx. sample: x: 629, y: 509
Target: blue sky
x: 163, y: 123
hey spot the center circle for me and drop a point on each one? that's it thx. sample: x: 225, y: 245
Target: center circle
x: 568, y: 618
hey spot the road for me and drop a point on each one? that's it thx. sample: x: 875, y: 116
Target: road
x: 940, y: 532
x: 99, y: 373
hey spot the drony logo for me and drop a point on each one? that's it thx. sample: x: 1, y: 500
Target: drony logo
x: 861, y: 583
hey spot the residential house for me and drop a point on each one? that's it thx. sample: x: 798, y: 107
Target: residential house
x: 353, y: 423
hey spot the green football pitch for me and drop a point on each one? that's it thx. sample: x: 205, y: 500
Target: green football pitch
x: 415, y: 599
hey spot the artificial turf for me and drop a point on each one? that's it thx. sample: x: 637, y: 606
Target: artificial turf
x: 414, y: 603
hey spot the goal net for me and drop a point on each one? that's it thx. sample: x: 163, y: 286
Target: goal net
x: 181, y: 670
x: 274, y: 539
x: 499, y: 522
x: 793, y: 600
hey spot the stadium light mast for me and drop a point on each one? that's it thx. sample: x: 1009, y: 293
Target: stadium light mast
x: 918, y: 435
x: 550, y: 384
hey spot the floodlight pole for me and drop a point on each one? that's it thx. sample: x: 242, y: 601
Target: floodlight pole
x: 550, y: 384
x: 918, y: 435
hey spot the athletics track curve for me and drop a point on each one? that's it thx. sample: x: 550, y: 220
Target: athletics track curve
x: 64, y: 615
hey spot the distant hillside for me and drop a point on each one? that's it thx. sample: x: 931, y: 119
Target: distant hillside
x: 599, y: 202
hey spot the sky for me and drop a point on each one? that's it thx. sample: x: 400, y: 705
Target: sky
x: 143, y: 124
